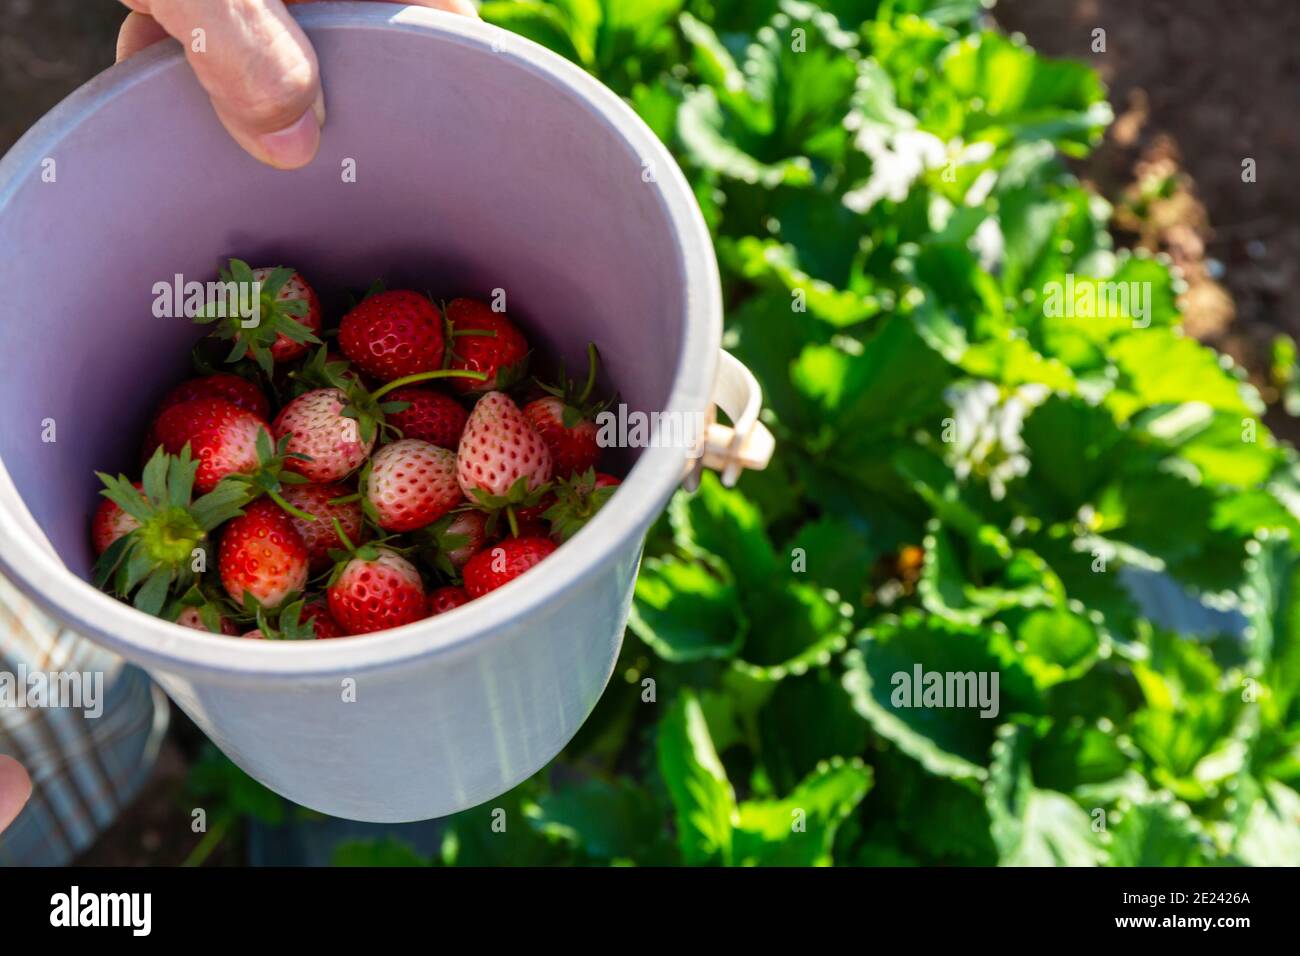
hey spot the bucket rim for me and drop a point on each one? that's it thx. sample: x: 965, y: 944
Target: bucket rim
x: 29, y: 561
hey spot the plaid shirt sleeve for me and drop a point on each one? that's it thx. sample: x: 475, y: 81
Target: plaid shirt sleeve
x: 85, y: 766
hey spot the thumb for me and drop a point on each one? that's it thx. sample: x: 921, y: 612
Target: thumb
x: 15, y: 788
x: 258, y: 68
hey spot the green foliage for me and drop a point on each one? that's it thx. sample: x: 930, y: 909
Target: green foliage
x: 986, y: 418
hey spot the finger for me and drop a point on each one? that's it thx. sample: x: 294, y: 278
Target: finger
x: 15, y: 788
x: 464, y: 7
x: 139, y: 30
x: 258, y: 69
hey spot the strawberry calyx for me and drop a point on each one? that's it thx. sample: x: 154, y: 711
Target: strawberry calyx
x: 159, y: 558
x: 518, y: 496
x: 577, y: 500
x: 271, y: 476
x: 576, y: 395
x: 213, y: 609
x: 369, y: 551
x: 274, y: 317
x: 437, y: 542
x: 287, y: 624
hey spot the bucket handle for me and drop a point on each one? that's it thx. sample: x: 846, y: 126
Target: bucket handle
x: 746, y: 443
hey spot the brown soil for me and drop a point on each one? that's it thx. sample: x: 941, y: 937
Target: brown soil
x: 1199, y: 86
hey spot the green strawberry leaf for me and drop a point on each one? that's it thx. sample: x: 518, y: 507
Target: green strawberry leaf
x: 1033, y: 827
x: 704, y: 804
x: 800, y: 829
x: 949, y: 740
x: 687, y: 610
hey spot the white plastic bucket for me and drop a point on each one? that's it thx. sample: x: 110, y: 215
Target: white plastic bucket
x: 482, y: 162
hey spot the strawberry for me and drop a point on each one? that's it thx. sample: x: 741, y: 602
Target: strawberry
x: 532, y: 514
x: 410, y: 484
x: 110, y: 522
x: 320, y: 535
x: 287, y: 319
x: 239, y: 392
x: 573, y: 446
x: 296, y: 622
x: 566, y: 420
x: 325, y: 626
x: 502, y: 462
x: 164, y: 554
x: 485, y: 341
x: 316, y: 427
x: 454, y: 539
x: 446, y: 598
x: 192, y: 617
x: 576, y: 501
x: 262, y: 556
x: 494, y: 566
x: 374, y: 590
x: 430, y: 416
x: 391, y: 335
x: 341, y: 419
x: 222, y: 436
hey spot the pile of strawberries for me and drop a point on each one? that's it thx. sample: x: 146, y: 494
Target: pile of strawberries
x: 348, y: 488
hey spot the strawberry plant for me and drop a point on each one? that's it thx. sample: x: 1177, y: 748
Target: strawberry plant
x: 998, y: 454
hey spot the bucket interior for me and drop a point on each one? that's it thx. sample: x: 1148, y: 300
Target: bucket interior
x: 473, y: 173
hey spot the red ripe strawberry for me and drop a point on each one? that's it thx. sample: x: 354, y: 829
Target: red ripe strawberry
x: 286, y: 321
x: 532, y: 514
x: 432, y: 416
x: 410, y: 484
x: 318, y: 429
x: 393, y: 334
x: 317, y: 613
x: 573, y: 446
x: 294, y: 289
x: 110, y: 522
x: 375, y: 593
x: 239, y: 392
x: 320, y: 536
x: 262, y: 555
x: 565, y: 417
x: 222, y: 437
x: 576, y: 500
x: 444, y: 599
x: 500, y: 449
x: 494, y: 566
x: 502, y: 354
x: 191, y: 618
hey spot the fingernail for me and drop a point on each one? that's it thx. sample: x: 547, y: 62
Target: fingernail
x: 319, y: 109
x: 294, y: 145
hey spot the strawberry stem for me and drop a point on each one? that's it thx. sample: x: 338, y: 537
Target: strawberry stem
x: 296, y: 512
x: 426, y: 376
x: 514, y: 522
x: 487, y: 333
x: 592, y: 359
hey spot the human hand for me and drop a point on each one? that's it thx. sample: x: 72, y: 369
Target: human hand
x: 255, y: 62
x: 15, y: 788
